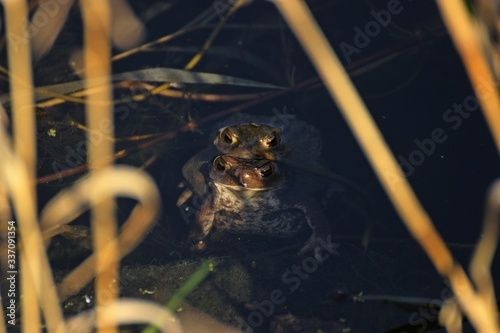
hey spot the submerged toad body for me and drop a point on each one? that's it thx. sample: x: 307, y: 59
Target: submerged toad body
x: 246, y: 186
x: 252, y: 197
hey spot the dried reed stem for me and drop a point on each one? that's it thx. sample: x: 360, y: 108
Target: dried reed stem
x: 386, y: 167
x: 22, y: 189
x: 466, y: 36
x: 480, y: 266
x: 129, y: 311
x: 47, y: 33
x: 96, y: 19
x: 70, y: 203
x: 14, y: 176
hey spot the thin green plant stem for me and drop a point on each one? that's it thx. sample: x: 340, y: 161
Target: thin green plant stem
x: 187, y: 288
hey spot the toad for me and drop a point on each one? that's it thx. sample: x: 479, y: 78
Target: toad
x: 251, y: 141
x: 252, y: 197
x: 240, y: 186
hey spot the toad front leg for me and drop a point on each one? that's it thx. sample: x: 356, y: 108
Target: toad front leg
x: 202, y: 226
x: 195, y: 171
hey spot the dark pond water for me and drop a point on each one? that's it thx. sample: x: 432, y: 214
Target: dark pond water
x: 407, y: 71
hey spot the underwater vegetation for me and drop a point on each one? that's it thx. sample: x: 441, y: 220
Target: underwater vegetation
x: 103, y: 102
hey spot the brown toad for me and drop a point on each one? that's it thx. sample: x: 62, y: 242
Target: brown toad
x: 252, y: 197
x: 244, y: 191
x: 251, y: 141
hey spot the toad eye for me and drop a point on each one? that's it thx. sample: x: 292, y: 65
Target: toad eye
x: 272, y: 140
x: 266, y: 170
x: 228, y: 137
x: 219, y: 164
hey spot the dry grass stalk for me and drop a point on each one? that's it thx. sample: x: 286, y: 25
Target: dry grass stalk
x: 19, y: 57
x: 111, y: 182
x: 149, y: 45
x: 97, y: 67
x: 480, y: 265
x: 466, y: 36
x: 128, y: 311
x: 14, y: 176
x: 127, y: 29
x: 386, y: 167
x: 47, y: 32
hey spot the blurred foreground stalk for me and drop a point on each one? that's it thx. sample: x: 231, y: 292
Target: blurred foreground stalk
x: 23, y: 190
x: 97, y: 69
x: 467, y: 39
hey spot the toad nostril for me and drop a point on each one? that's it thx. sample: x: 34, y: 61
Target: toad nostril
x: 244, y: 177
